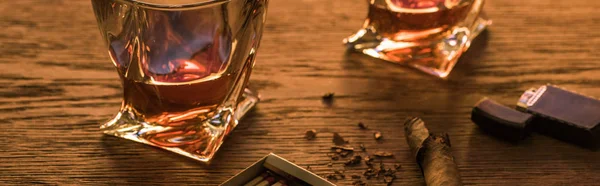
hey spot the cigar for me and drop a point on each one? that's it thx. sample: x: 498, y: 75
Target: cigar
x: 432, y: 152
x: 257, y: 180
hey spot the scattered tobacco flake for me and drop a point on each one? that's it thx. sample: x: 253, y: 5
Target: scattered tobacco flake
x: 359, y: 183
x: 362, y: 126
x: 363, y: 148
x: 356, y: 176
x: 369, y: 161
x: 381, y: 170
x: 344, y: 153
x: 388, y: 179
x: 377, y: 135
x: 337, y: 175
x: 397, y: 166
x: 310, y: 134
x: 338, y: 140
x: 383, y: 154
x: 369, y: 173
x: 342, y: 148
x: 389, y: 172
x: 335, y: 157
x: 330, y: 164
x: 354, y: 161
x: 328, y: 96
x: 331, y: 177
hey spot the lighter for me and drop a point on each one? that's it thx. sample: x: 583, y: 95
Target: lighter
x: 563, y: 114
x: 549, y: 110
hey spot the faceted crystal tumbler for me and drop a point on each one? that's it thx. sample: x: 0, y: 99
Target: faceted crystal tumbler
x: 429, y: 35
x: 184, y: 66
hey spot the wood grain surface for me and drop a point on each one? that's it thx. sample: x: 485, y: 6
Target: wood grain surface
x: 58, y: 86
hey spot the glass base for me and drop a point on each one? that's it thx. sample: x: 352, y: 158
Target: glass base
x: 198, y: 138
x: 435, y: 55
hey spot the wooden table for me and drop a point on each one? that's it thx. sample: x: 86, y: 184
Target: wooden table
x: 58, y: 86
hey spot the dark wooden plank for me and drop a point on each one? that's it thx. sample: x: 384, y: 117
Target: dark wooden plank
x: 58, y: 86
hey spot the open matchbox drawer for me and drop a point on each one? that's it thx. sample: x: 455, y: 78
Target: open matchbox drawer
x: 280, y: 167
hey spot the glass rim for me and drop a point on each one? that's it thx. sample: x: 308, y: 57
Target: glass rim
x: 200, y: 3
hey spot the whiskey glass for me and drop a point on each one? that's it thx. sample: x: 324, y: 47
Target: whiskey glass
x: 184, y: 67
x: 429, y: 35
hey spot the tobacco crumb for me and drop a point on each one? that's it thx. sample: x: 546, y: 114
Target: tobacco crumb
x: 328, y: 96
x: 383, y: 154
x: 335, y: 157
x: 369, y: 173
x: 389, y: 172
x: 330, y: 164
x: 362, y: 126
x: 388, y: 179
x: 327, y: 99
x: 344, y: 153
x: 369, y: 161
x: 337, y: 175
x: 362, y: 147
x: 310, y: 134
x: 377, y: 135
x: 336, y: 148
x: 308, y: 168
x: 397, y: 166
x: 359, y: 183
x: 354, y: 161
x: 331, y: 177
x: 338, y: 140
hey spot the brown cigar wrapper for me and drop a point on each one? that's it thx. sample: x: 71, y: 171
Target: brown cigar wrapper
x: 432, y: 153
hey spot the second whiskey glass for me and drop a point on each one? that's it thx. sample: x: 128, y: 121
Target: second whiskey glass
x: 429, y: 35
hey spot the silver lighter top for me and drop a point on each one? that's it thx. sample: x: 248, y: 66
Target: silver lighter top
x: 530, y: 97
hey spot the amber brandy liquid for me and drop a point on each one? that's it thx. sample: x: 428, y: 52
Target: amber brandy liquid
x: 406, y: 20
x: 170, y: 104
